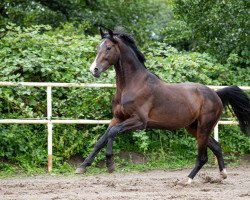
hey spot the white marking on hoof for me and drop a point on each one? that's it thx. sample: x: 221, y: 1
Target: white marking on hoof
x: 223, y: 174
x: 80, y: 170
x: 189, y: 181
x: 184, y: 182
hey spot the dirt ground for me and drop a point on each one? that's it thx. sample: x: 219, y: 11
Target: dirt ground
x: 155, y: 184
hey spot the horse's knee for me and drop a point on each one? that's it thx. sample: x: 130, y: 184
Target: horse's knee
x: 113, y: 132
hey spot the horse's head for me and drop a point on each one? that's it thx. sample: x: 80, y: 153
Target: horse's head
x: 107, y: 54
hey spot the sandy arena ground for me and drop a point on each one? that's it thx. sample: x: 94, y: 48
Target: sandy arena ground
x: 155, y: 184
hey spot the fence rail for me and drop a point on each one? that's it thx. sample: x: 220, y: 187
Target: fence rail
x: 50, y: 84
x: 49, y: 121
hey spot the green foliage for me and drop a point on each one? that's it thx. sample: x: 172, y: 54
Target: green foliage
x: 229, y: 144
x: 178, y: 34
x: 174, y: 66
x: 141, y: 140
x: 29, y: 13
x: 25, y: 145
x: 43, y: 57
x: 181, y: 66
x: 219, y: 27
x: 142, y: 18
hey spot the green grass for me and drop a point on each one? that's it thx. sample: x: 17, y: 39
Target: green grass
x: 162, y: 162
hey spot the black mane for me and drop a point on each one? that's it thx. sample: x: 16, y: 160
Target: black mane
x: 129, y: 41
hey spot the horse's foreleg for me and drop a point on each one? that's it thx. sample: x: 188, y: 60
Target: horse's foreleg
x: 109, y: 155
x: 98, y: 146
x: 127, y: 125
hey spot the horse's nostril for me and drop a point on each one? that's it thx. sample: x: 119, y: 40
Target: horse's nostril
x: 96, y: 69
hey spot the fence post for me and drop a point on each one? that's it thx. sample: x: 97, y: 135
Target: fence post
x: 50, y: 126
x: 216, y: 132
x: 216, y: 137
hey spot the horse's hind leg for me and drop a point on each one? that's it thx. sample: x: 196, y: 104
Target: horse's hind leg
x: 216, y: 149
x: 201, y: 129
x: 202, y: 139
x: 202, y: 157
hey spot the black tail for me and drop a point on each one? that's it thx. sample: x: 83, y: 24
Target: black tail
x: 240, y: 104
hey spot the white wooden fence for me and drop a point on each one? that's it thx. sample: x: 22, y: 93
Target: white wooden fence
x: 49, y: 121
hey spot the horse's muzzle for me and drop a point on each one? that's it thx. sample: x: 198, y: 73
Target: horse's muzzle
x: 97, y: 75
x: 96, y: 72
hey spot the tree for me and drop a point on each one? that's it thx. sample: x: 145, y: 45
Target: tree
x: 26, y: 12
x: 142, y: 18
x: 218, y: 27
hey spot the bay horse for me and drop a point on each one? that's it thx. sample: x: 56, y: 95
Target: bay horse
x: 143, y: 101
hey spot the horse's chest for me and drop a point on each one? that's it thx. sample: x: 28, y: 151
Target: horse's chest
x: 123, y: 107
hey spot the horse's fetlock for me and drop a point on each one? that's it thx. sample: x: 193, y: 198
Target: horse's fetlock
x: 109, y: 159
x: 109, y: 155
x: 86, y: 163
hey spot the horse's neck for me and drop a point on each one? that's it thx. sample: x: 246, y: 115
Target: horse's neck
x: 128, y: 67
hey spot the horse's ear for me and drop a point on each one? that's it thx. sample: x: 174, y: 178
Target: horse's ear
x: 101, y: 32
x: 111, y: 33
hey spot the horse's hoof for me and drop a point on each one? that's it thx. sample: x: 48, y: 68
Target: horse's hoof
x: 184, y: 182
x: 111, y: 168
x: 189, y: 181
x: 223, y: 174
x: 80, y: 170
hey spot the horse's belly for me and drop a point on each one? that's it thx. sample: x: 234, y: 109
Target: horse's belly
x: 173, y: 119
x: 168, y: 125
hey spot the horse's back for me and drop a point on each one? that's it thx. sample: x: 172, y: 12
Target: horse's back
x: 196, y: 93
x: 178, y: 105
